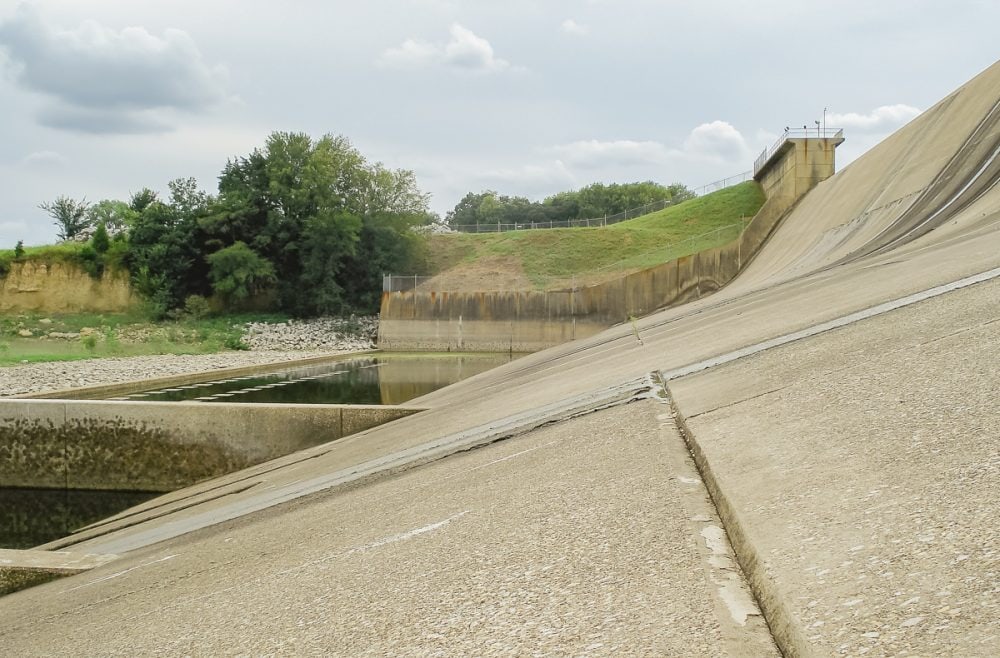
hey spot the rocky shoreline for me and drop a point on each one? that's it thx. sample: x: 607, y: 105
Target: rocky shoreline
x: 269, y: 343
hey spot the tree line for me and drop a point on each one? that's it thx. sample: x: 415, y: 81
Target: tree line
x: 307, y: 226
x: 309, y: 222
x: 592, y: 201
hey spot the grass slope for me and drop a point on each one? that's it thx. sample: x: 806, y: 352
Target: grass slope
x: 551, y: 258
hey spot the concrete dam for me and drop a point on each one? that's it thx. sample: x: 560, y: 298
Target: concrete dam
x: 801, y: 461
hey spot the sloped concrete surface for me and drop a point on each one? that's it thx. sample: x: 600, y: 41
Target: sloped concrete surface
x: 873, y: 499
x: 863, y: 459
x: 574, y: 540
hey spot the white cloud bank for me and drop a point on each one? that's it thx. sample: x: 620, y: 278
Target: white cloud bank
x: 887, y: 116
x: 465, y: 51
x: 716, y: 140
x: 623, y: 153
x: 570, y: 26
x: 102, y: 80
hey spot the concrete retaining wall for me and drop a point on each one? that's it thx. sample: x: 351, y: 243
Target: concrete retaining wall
x: 531, y: 321
x: 63, y: 288
x: 160, y: 446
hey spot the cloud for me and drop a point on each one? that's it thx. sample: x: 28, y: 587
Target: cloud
x: 593, y: 153
x: 465, y: 51
x: 543, y: 176
x: 10, y: 227
x: 103, y: 80
x: 570, y: 26
x: 102, y: 122
x: 45, y: 159
x: 887, y: 116
x: 716, y: 139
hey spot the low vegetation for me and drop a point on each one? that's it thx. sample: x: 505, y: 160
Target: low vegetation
x: 552, y: 258
x: 29, y: 337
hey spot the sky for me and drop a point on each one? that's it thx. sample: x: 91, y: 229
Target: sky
x: 100, y: 98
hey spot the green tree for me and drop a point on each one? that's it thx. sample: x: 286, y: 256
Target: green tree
x: 166, y: 247
x: 328, y: 240
x: 303, y: 204
x: 142, y: 199
x: 117, y: 216
x: 100, y: 240
x: 238, y: 272
x: 69, y: 216
x: 19, y: 250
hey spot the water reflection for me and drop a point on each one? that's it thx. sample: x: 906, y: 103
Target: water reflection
x: 29, y: 517
x: 383, y: 379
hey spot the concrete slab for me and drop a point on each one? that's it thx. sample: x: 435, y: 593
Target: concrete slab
x: 22, y: 569
x: 863, y: 468
x: 574, y: 539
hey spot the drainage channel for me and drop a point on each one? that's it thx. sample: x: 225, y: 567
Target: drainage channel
x: 382, y: 379
x: 33, y: 512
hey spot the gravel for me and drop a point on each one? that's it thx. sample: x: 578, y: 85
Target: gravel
x: 269, y: 343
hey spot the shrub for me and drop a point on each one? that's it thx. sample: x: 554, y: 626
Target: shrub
x: 196, y: 306
x: 100, y: 242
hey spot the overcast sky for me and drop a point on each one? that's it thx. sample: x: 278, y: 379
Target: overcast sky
x: 529, y: 97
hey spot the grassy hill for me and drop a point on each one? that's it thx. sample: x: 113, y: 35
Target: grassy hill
x: 555, y: 258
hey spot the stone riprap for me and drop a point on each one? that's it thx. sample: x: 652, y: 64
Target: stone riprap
x: 268, y: 342
x: 356, y: 333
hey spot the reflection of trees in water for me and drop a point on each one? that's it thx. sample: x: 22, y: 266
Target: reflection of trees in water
x: 371, y: 380
x: 404, y: 379
x: 29, y: 517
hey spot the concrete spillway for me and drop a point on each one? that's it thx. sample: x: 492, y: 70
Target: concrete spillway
x: 852, y: 467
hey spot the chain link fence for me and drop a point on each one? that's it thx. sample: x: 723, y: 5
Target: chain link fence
x: 607, y: 220
x: 663, y: 254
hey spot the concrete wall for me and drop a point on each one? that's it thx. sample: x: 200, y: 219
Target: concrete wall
x: 160, y: 446
x: 797, y: 166
x: 63, y: 288
x: 531, y: 321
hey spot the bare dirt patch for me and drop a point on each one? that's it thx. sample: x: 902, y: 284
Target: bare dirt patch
x: 486, y: 274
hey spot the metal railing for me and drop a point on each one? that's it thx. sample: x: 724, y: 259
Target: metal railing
x: 402, y: 283
x: 607, y: 220
x: 805, y: 133
x: 662, y: 254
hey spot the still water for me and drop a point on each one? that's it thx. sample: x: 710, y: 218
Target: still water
x: 29, y: 517
x: 382, y: 379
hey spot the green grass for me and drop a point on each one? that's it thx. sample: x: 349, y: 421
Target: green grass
x: 550, y: 257
x: 118, y: 335
x: 63, y: 252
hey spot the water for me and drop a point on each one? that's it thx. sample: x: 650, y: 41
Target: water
x: 30, y: 517
x: 382, y: 379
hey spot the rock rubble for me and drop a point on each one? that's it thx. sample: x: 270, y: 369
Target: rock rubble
x: 269, y: 343
x: 60, y: 375
x: 355, y: 333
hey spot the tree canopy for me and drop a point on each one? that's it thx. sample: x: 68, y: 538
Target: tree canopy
x: 309, y: 219
x: 596, y: 200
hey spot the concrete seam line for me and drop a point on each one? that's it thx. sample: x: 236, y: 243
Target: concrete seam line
x: 786, y: 628
x: 829, y: 325
x: 386, y: 466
